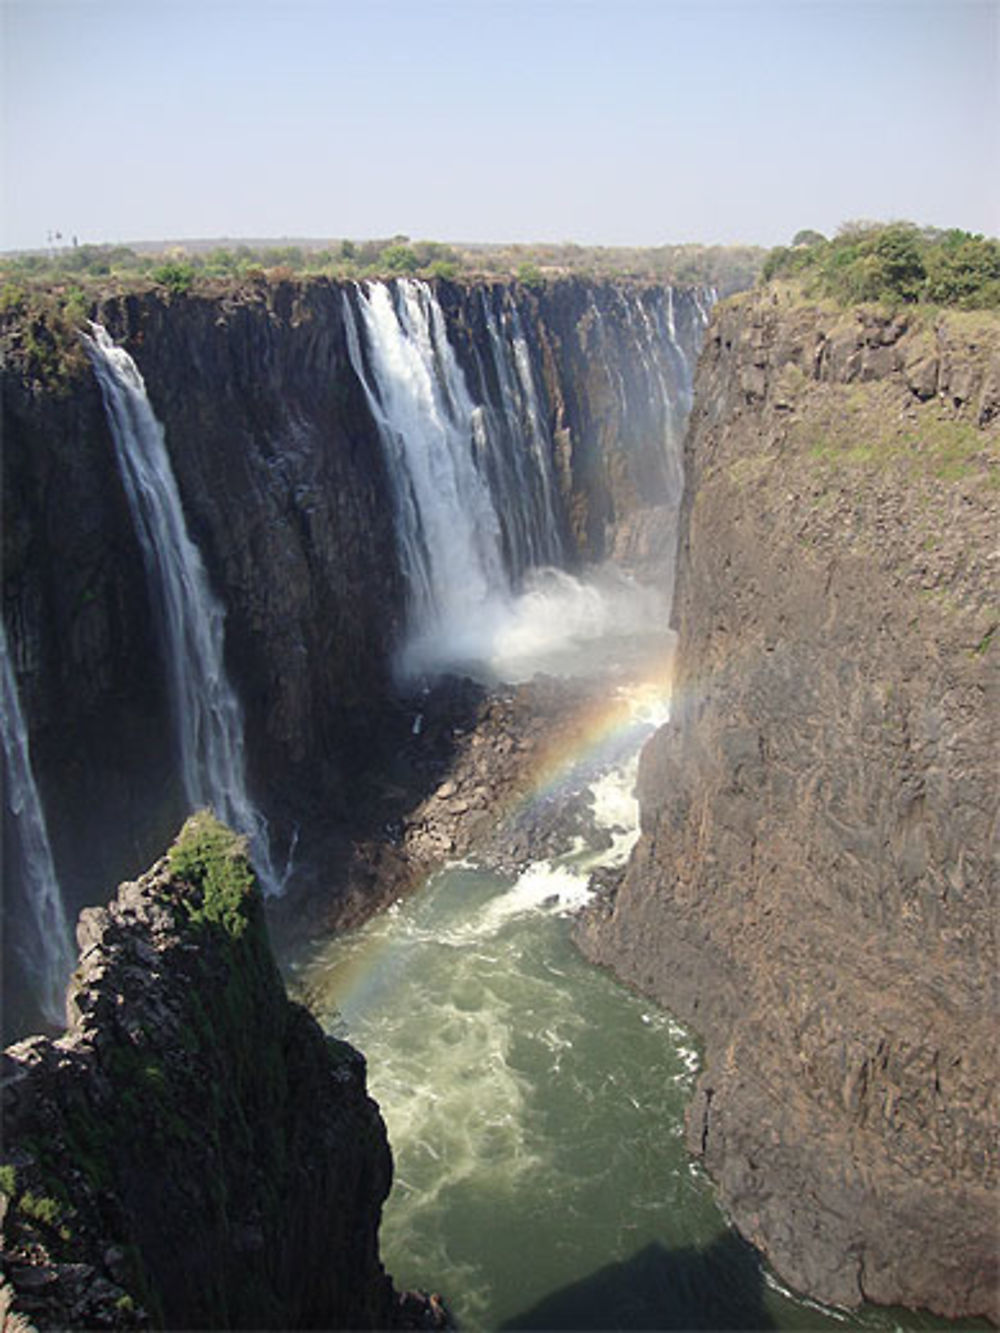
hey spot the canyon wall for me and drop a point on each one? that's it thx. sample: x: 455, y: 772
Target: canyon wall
x: 285, y: 491
x: 193, y: 1152
x: 815, y: 887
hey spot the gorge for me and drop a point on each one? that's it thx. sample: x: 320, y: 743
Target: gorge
x: 289, y: 502
x: 536, y: 527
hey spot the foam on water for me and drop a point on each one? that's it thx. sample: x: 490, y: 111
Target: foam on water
x: 483, y: 1050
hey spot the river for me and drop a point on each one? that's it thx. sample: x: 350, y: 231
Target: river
x: 536, y: 1111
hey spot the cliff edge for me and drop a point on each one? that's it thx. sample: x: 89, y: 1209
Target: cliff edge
x: 193, y: 1152
x: 814, y: 888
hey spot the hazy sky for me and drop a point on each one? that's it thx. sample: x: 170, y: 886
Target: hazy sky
x: 598, y: 121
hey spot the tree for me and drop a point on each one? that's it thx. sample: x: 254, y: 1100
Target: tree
x: 901, y: 266
x: 530, y: 274
x: 964, y: 270
x: 175, y: 276
x: 400, y: 259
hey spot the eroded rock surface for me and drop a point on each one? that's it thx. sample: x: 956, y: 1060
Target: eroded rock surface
x: 815, y: 887
x: 500, y: 773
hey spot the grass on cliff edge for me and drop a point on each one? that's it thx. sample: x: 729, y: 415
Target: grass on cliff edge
x: 212, y: 861
x: 862, y: 425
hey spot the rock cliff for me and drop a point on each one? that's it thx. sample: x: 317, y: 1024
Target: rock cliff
x: 814, y: 889
x: 193, y: 1152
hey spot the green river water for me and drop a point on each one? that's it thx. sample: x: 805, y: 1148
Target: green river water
x: 535, y: 1109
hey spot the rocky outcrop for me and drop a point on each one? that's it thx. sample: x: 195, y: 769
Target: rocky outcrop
x: 498, y: 774
x: 814, y: 888
x: 193, y: 1152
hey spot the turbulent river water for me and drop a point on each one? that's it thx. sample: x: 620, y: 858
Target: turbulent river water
x: 535, y: 1108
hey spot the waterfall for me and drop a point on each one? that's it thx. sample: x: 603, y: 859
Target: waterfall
x: 50, y: 957
x: 448, y: 530
x: 207, y: 715
x: 518, y: 448
x: 479, y: 515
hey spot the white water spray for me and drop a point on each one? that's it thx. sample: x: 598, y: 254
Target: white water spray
x: 207, y: 715
x: 49, y: 959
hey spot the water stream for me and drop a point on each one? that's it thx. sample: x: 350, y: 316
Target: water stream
x: 48, y: 957
x: 208, y: 719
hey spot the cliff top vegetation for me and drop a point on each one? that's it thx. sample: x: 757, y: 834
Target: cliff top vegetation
x: 202, y: 263
x: 894, y: 263
x: 47, y: 296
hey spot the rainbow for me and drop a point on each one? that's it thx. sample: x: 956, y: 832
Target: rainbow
x: 602, y: 732
x: 597, y: 735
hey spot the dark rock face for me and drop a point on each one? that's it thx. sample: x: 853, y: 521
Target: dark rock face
x: 284, y: 491
x: 80, y: 633
x: 193, y: 1152
x: 814, y: 889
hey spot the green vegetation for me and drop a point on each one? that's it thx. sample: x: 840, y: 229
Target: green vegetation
x: 984, y: 643
x: 175, y: 276
x: 858, y: 425
x: 47, y: 297
x: 400, y: 259
x: 40, y: 1208
x: 8, y: 1180
x: 212, y: 861
x: 895, y: 263
x: 530, y: 275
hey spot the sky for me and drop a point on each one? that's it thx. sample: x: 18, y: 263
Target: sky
x: 612, y: 122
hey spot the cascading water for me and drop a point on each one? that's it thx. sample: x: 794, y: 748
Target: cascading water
x: 517, y: 451
x: 207, y: 715
x: 447, y: 527
x: 48, y: 959
x: 534, y: 1106
x: 478, y: 519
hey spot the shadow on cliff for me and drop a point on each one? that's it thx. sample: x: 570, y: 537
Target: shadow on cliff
x: 720, y: 1287
x: 355, y: 865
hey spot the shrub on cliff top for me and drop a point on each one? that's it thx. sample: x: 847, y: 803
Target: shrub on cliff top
x: 175, y: 276
x: 211, y: 860
x: 897, y: 263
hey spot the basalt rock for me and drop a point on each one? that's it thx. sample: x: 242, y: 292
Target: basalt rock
x: 193, y: 1152
x: 814, y: 888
